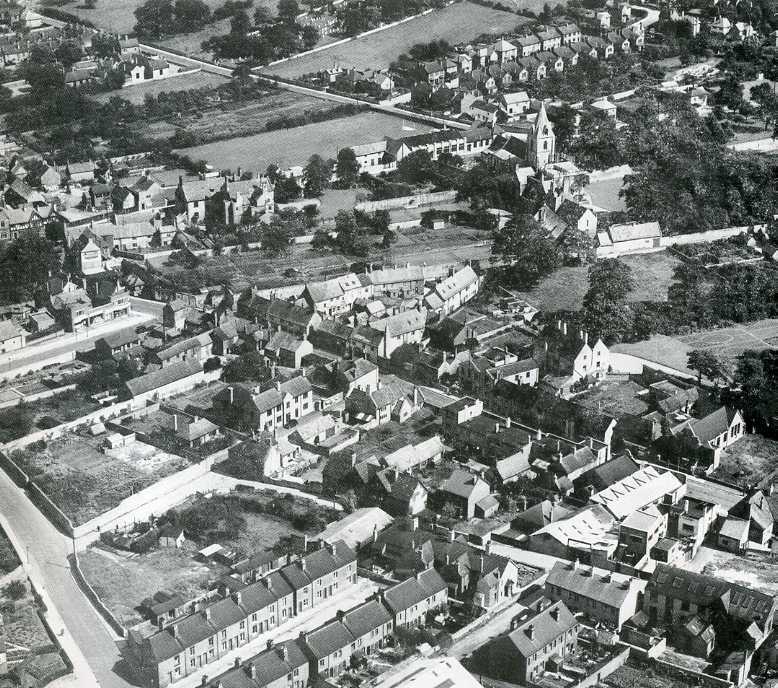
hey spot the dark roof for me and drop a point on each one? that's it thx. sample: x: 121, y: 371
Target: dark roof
x: 328, y: 639
x: 365, y: 618
x: 610, y: 472
x: 164, y: 376
x: 414, y: 590
x: 544, y: 630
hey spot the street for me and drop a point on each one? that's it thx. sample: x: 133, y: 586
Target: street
x: 84, y: 629
x: 63, y: 348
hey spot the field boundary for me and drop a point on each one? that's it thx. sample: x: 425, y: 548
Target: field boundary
x: 91, y: 594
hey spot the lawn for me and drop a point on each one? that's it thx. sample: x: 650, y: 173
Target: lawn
x: 289, y: 147
x: 750, y: 461
x: 123, y: 581
x: 564, y: 289
x: 605, y: 194
x: 85, y: 481
x: 456, y: 23
x: 183, y: 82
x: 615, y: 397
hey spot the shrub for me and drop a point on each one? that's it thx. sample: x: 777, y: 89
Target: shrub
x: 15, y: 590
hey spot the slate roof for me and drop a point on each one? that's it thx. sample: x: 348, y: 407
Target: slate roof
x: 413, y: 590
x: 401, y: 323
x: 165, y: 376
x: 605, y: 587
x: 366, y: 618
x: 329, y: 638
x: 544, y: 630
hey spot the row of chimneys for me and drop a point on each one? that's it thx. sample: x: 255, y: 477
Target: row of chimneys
x: 562, y: 327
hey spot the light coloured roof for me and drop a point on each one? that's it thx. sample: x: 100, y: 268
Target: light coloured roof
x: 591, y: 526
x: 643, y: 487
x: 356, y: 528
x: 634, y: 230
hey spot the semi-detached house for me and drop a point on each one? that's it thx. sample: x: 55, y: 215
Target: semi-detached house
x: 403, y: 328
x: 165, y: 655
x: 411, y: 600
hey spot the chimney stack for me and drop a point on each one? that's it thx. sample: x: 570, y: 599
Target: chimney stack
x: 554, y: 613
x: 252, y: 671
x: 175, y: 422
x: 269, y: 643
x: 231, y: 391
x: 530, y: 631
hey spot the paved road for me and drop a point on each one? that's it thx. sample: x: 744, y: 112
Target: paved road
x: 212, y: 68
x: 49, y: 548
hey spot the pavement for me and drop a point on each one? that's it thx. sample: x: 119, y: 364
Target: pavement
x: 85, y: 637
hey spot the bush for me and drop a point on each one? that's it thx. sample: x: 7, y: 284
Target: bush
x: 15, y: 590
x: 47, y: 422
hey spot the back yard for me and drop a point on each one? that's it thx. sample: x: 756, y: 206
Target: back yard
x: 24, y: 631
x: 85, y: 480
x: 750, y: 461
x: 124, y: 580
x: 615, y: 397
x: 462, y: 21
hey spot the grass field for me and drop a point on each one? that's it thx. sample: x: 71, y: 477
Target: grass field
x: 287, y: 147
x: 565, y: 288
x: 460, y: 22
x: 123, y: 581
x: 732, y: 341
x: 183, y: 82
x: 114, y: 15
x: 190, y: 43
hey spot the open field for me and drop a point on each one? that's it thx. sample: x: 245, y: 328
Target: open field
x: 288, y: 147
x: 190, y: 43
x: 183, y: 82
x: 123, y: 581
x: 565, y: 288
x: 750, y: 461
x: 85, y: 481
x: 732, y: 341
x: 456, y: 23
x: 115, y: 15
x: 615, y: 398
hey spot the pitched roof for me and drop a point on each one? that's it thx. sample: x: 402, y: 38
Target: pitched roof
x: 710, y: 427
x: 366, y: 618
x: 165, y: 376
x: 608, y: 588
x: 401, y: 323
x: 462, y: 483
x: 411, y: 591
x: 636, y: 491
x: 357, y: 527
x: 537, y: 631
x: 634, y: 230
x: 328, y: 638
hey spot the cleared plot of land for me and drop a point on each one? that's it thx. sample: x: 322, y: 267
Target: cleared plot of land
x: 732, y: 341
x: 182, y: 82
x: 753, y: 571
x: 615, y: 398
x: 750, y: 461
x: 565, y: 288
x: 288, y: 147
x: 123, y: 581
x: 460, y: 22
x: 112, y: 15
x: 605, y: 194
x: 84, y: 480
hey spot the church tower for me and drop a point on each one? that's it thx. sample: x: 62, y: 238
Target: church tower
x: 542, y: 148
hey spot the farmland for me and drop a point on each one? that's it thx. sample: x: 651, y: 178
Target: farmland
x: 184, y: 82
x: 288, y: 147
x: 456, y: 23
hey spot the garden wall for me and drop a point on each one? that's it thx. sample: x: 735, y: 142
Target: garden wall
x: 405, y: 202
x: 92, y: 596
x: 16, y: 473
x: 710, y: 235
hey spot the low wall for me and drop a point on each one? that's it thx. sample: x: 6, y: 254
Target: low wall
x: 600, y: 672
x: 26, y: 398
x: 633, y: 365
x: 405, y: 202
x: 16, y: 474
x: 687, y: 675
x: 49, y: 509
x: 93, y: 597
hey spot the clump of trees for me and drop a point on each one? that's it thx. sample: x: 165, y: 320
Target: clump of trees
x: 158, y: 18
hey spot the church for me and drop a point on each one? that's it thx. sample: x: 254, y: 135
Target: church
x: 530, y: 143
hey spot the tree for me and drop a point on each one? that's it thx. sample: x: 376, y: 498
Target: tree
x: 105, y: 45
x: 275, y: 239
x: 26, y: 265
x: 288, y: 10
x: 708, y: 364
x: 191, y: 15
x: 317, y: 175
x: 15, y: 590
x: 525, y: 251
x: 605, y: 311
x: 68, y: 53
x: 416, y: 168
x: 155, y: 18
x: 262, y: 16
x: 248, y: 366
x: 347, y: 167
x: 287, y: 189
x: 321, y: 240
x: 310, y: 36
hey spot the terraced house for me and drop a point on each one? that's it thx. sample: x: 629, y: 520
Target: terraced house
x: 168, y: 653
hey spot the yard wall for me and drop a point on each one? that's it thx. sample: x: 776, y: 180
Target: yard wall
x: 36, y: 397
x: 93, y: 597
x: 710, y: 235
x: 629, y: 364
x: 16, y: 473
x: 49, y: 509
x: 406, y: 202
x: 124, y: 514
x: 687, y: 675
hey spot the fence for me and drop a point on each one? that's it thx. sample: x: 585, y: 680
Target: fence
x: 93, y: 597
